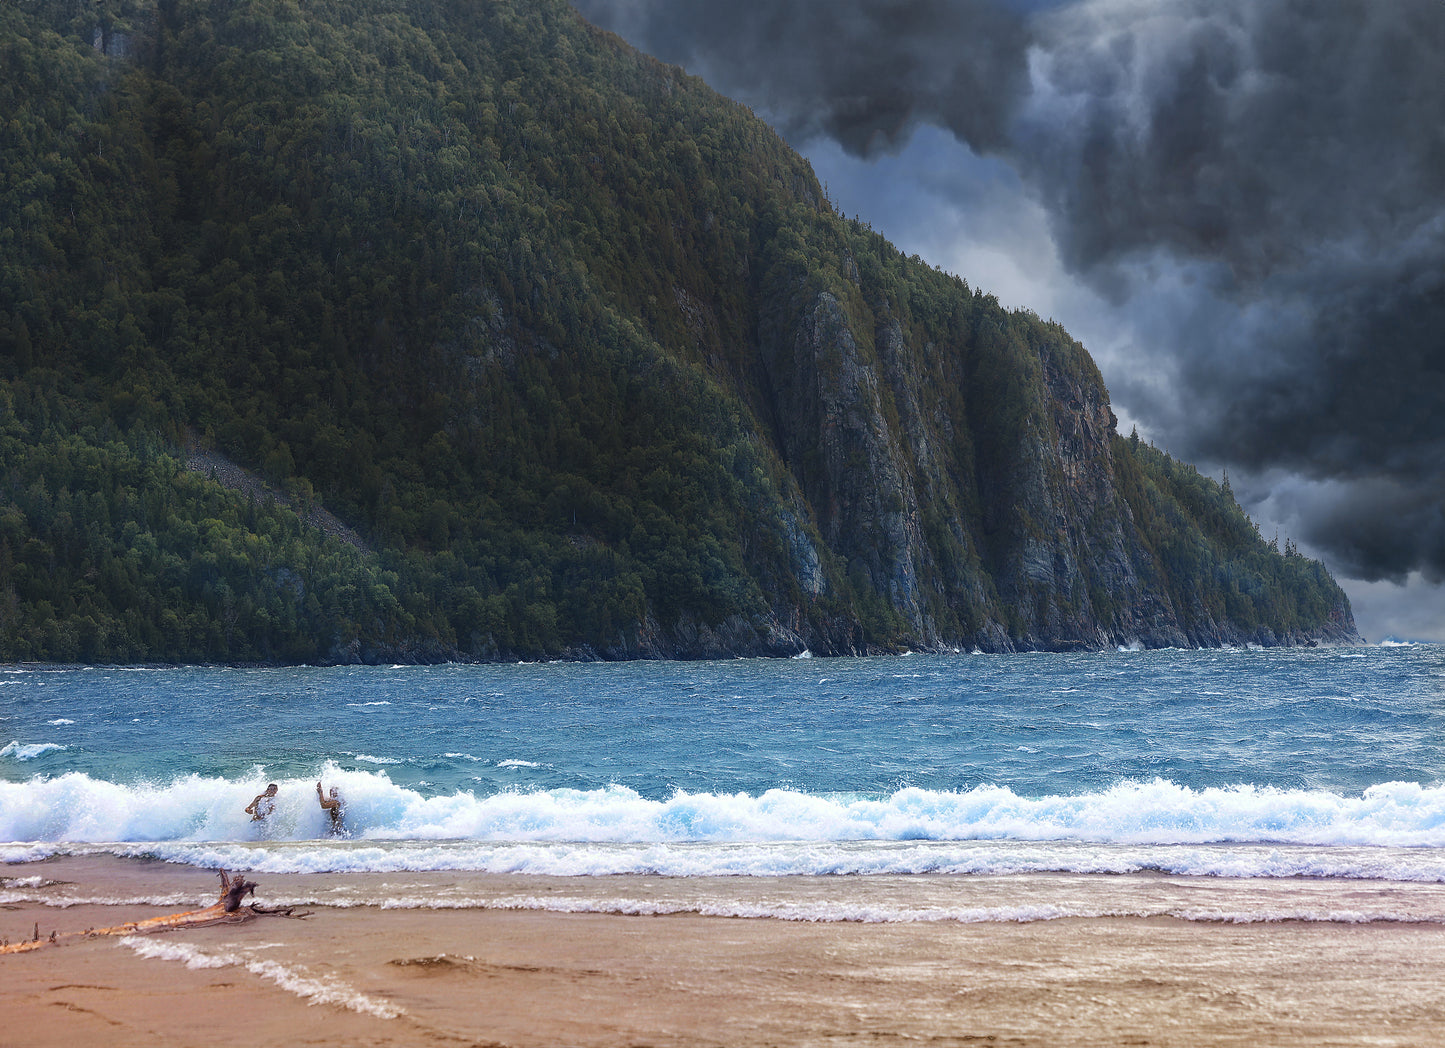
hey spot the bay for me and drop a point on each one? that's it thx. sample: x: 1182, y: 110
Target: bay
x: 1248, y: 765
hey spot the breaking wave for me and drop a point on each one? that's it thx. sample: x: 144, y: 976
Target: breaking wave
x: 1230, y: 831
x: 28, y: 751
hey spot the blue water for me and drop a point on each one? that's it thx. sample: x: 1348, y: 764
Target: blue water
x: 1248, y: 763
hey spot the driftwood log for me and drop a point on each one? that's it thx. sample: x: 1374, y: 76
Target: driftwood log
x: 227, y: 909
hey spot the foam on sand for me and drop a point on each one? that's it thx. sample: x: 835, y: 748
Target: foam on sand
x: 316, y: 991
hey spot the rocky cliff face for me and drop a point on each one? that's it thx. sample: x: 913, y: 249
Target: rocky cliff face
x: 971, y: 486
x: 852, y: 466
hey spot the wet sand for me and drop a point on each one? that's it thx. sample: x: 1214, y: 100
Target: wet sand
x: 363, y: 975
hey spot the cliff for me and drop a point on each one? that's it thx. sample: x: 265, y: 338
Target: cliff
x: 575, y: 351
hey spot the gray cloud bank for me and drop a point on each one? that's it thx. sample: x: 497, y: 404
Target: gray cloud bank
x: 1260, y: 184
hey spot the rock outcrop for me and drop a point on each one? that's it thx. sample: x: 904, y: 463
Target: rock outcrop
x: 971, y: 489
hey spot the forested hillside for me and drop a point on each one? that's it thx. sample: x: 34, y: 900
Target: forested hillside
x: 577, y: 345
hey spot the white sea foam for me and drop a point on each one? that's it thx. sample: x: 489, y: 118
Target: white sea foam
x: 59, y: 721
x: 74, y: 807
x: 811, y: 912
x: 516, y: 763
x: 1006, y: 898
x: 77, y: 808
x: 190, y: 956
x: 28, y: 751
x: 314, y: 991
x: 883, y: 913
x: 51, y: 894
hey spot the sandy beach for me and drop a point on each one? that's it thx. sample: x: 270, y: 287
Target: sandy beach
x: 367, y: 975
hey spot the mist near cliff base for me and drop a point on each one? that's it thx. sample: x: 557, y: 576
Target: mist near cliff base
x: 1237, y: 205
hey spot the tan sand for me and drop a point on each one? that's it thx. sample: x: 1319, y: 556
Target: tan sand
x: 368, y: 976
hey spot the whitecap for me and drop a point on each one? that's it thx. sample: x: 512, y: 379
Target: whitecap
x: 28, y: 751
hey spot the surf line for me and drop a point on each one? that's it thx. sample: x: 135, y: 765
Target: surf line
x: 227, y: 909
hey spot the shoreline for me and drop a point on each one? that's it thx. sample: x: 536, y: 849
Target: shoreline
x: 1264, y: 639
x: 364, y: 974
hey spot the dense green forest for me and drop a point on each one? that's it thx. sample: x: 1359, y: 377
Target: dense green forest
x: 577, y: 346
x: 1211, y: 557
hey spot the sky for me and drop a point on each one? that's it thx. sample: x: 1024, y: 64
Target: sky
x: 1238, y: 206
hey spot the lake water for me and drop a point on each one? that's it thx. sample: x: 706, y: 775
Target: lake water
x: 1320, y: 770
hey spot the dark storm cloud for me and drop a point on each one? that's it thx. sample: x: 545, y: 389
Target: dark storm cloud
x: 864, y: 72
x: 1377, y: 527
x: 1260, y: 183
x: 1281, y: 168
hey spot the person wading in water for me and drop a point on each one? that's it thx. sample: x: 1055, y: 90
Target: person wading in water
x: 332, y: 806
x: 263, y: 805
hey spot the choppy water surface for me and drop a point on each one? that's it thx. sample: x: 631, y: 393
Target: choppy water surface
x: 1326, y: 763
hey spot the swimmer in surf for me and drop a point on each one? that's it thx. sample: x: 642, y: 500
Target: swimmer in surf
x: 332, y: 806
x: 263, y: 805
